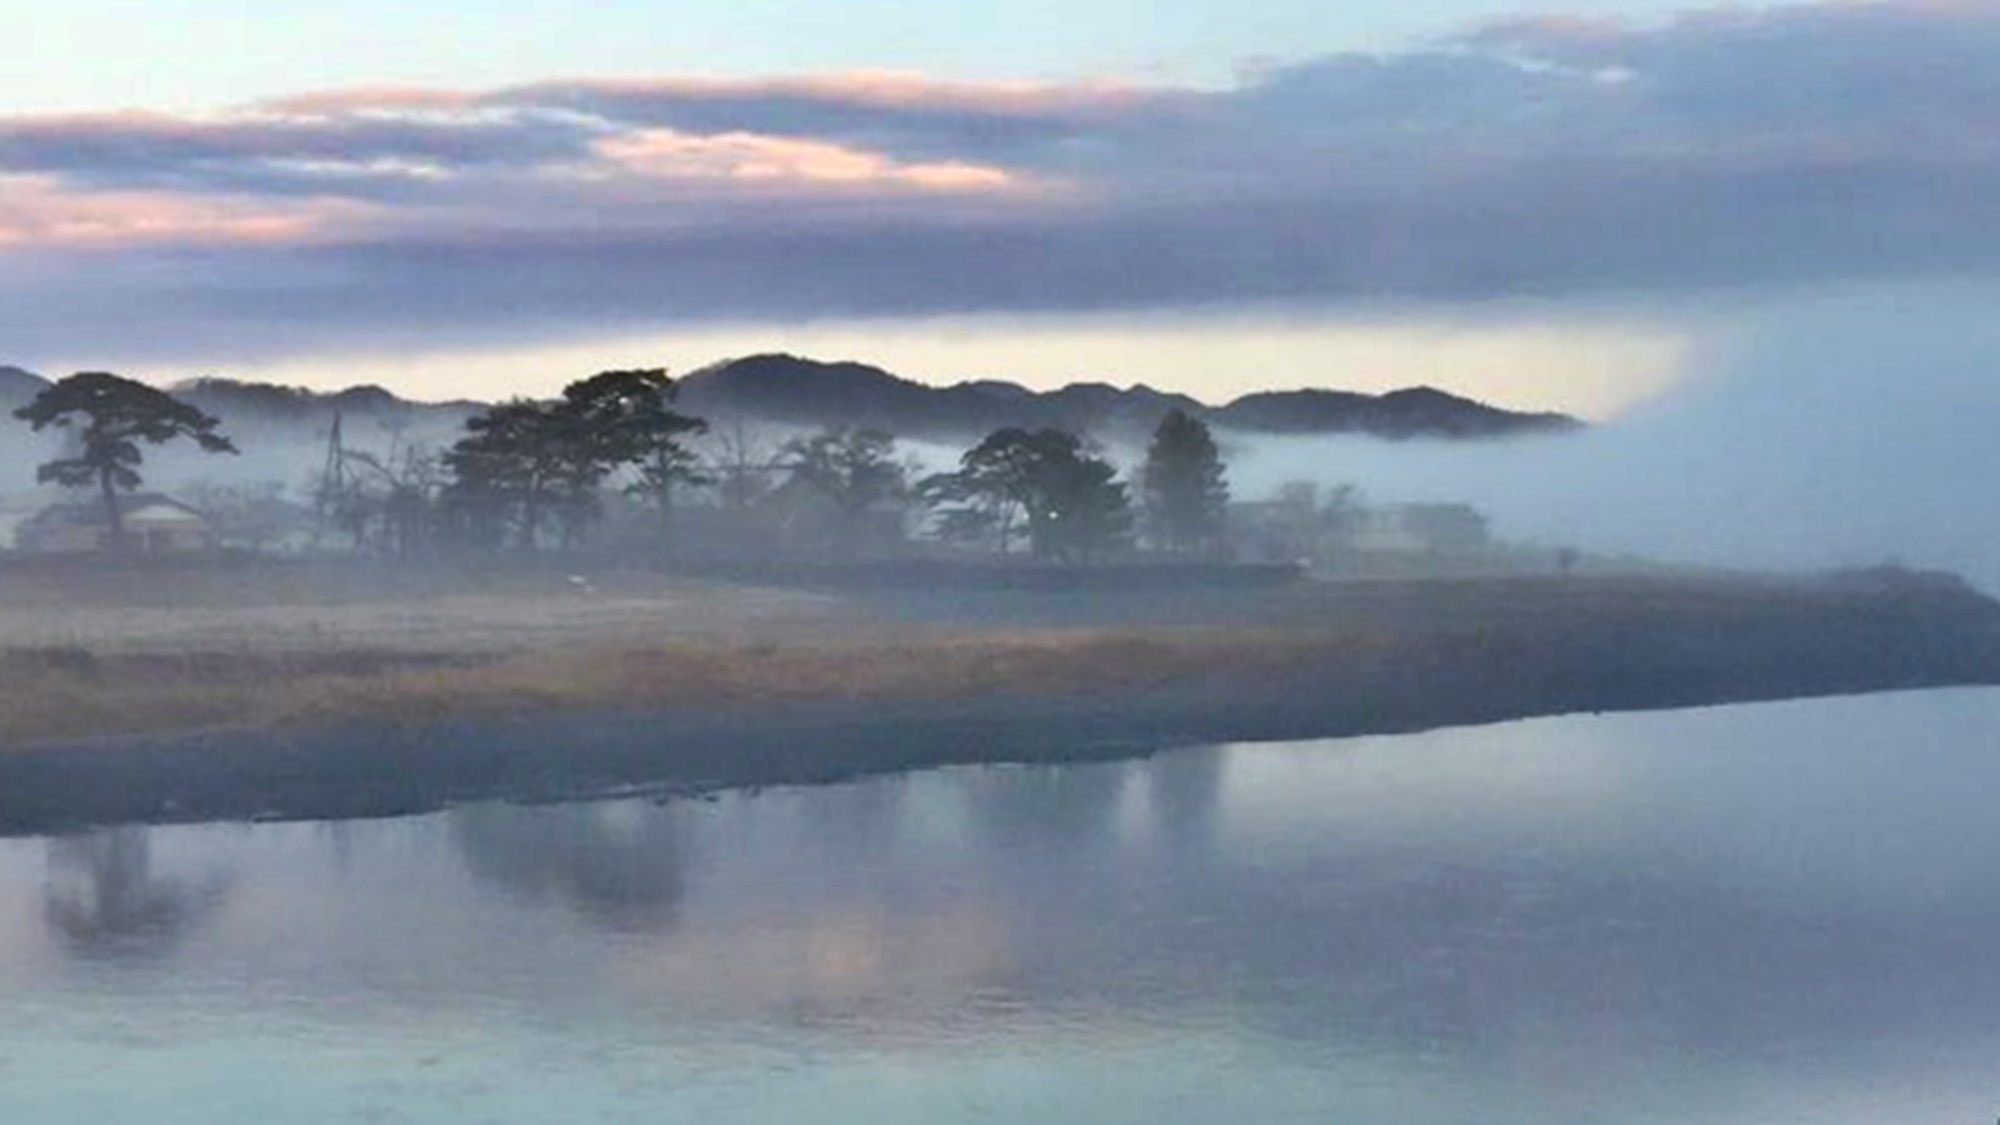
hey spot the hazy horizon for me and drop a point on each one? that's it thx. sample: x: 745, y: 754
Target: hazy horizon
x: 1558, y: 211
x: 622, y: 750
x: 1752, y: 243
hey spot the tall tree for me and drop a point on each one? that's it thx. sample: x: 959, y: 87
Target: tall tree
x: 853, y: 469
x: 111, y: 416
x: 1185, y: 491
x: 1070, y: 502
x: 524, y: 461
x: 629, y: 417
x: 741, y: 463
x: 515, y: 463
x: 992, y: 492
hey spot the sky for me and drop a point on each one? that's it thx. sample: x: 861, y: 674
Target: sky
x: 207, y: 54
x: 1566, y: 207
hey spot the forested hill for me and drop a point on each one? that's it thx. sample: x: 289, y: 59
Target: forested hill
x: 790, y: 390
x: 18, y: 386
x: 256, y: 404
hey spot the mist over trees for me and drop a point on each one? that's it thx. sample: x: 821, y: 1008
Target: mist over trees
x: 517, y: 463
x: 630, y: 415
x: 739, y: 462
x: 110, y: 417
x: 614, y: 471
x: 853, y: 470
x: 382, y: 504
x: 1069, y: 503
x: 523, y: 462
x: 1186, y: 491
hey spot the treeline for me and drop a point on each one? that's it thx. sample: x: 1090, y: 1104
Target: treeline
x: 530, y: 476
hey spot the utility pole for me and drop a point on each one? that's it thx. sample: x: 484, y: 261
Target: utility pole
x: 332, y: 482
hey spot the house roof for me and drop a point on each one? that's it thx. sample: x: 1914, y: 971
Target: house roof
x: 90, y: 513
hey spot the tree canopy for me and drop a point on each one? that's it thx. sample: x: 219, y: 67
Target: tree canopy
x: 856, y: 469
x: 111, y: 416
x: 1070, y: 502
x: 630, y: 416
x: 1184, y: 488
x: 516, y: 462
x: 522, y: 461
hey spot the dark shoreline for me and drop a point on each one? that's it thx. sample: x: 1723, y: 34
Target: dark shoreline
x: 1478, y: 675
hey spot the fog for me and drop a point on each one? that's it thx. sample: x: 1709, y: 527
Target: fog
x: 1844, y: 430
x: 1833, y: 430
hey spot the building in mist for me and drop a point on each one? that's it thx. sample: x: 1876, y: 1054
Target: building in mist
x: 155, y: 524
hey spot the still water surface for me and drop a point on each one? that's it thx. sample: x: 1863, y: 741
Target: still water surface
x: 1784, y: 913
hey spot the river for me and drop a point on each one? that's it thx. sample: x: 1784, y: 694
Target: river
x: 1776, y: 913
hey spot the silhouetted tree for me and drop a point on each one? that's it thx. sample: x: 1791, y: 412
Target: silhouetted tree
x: 854, y: 470
x: 963, y: 523
x: 516, y: 463
x: 115, y: 415
x: 629, y: 416
x: 389, y: 504
x: 1186, y: 495
x: 988, y: 497
x: 523, y: 461
x: 1070, y: 502
x: 386, y: 503
x: 741, y: 463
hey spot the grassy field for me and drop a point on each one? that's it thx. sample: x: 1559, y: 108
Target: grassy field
x: 278, y: 610
x: 159, y: 654
x: 68, y: 693
x: 145, y: 698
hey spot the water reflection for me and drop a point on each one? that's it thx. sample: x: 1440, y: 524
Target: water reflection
x: 1071, y: 809
x: 1644, y: 918
x: 866, y: 828
x: 1184, y: 792
x: 618, y: 865
x: 103, y: 897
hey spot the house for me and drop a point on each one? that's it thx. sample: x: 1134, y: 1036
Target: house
x: 154, y: 525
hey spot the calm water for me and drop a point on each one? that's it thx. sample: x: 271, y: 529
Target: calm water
x: 1781, y: 913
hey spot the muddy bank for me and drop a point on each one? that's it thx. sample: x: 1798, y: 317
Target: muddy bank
x: 1536, y: 651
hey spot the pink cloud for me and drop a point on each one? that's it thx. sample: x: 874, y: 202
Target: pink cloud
x: 750, y: 159
x: 38, y: 213
x: 1799, y: 141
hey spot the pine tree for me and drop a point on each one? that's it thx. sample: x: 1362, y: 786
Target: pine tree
x: 1186, y: 493
x: 117, y: 414
x: 1071, y: 503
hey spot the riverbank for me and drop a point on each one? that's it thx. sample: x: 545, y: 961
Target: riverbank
x: 828, y: 687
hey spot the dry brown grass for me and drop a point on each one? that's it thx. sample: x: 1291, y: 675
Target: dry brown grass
x: 68, y: 693
x: 697, y: 648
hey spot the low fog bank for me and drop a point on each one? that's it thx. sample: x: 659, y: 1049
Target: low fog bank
x: 1845, y: 431
x: 1838, y: 431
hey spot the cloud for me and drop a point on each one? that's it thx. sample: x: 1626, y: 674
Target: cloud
x: 742, y: 159
x: 36, y: 212
x: 279, y: 154
x: 1540, y: 157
